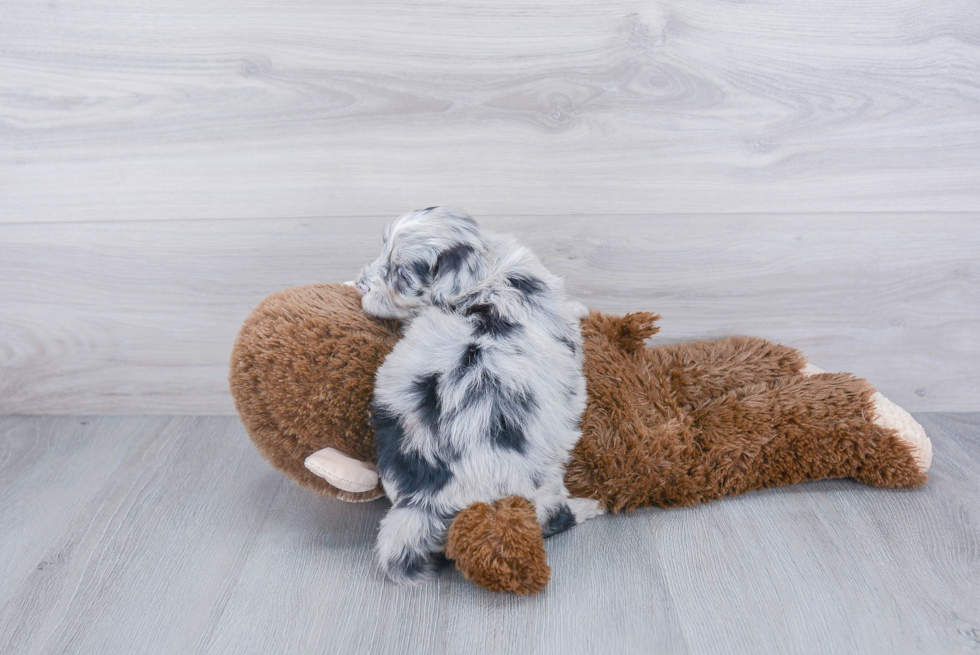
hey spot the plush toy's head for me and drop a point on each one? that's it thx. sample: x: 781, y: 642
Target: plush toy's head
x: 302, y: 373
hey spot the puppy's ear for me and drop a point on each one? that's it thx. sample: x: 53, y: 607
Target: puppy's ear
x: 455, y: 270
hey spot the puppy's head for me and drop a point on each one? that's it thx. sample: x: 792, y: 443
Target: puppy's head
x: 430, y: 256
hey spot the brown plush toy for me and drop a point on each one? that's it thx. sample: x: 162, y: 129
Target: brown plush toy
x: 670, y: 425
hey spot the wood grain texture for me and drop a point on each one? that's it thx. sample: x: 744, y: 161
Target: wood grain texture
x: 139, y: 317
x: 144, y: 566
x: 49, y: 472
x: 725, y: 163
x: 187, y: 109
x: 194, y: 544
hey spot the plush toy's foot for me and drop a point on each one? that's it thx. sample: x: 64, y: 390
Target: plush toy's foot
x: 500, y: 546
x: 890, y: 416
x: 342, y: 471
x: 810, y: 369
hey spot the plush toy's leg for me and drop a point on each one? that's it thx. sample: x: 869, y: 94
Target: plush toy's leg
x: 890, y: 416
x: 703, y: 370
x: 805, y: 428
x: 810, y: 369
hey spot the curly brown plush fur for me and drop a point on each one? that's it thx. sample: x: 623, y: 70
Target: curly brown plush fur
x: 670, y: 425
x: 500, y: 547
x: 678, y: 425
x: 302, y: 373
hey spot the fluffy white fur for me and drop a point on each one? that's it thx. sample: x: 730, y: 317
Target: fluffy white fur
x: 482, y: 397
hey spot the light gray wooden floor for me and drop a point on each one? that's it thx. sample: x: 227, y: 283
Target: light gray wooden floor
x: 171, y: 535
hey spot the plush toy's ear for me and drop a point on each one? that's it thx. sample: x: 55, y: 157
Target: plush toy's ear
x: 456, y: 268
x: 636, y: 328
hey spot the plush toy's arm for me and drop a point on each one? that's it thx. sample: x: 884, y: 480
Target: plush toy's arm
x: 500, y: 546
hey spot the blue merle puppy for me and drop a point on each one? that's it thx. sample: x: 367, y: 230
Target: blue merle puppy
x: 482, y: 396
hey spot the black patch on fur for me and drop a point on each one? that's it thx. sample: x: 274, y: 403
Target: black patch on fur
x: 526, y: 284
x: 568, y: 344
x: 428, y: 209
x: 427, y: 400
x: 510, y: 413
x: 560, y: 521
x: 485, y: 385
x: 411, y: 473
x: 489, y: 322
x: 451, y: 260
x: 524, y: 402
x: 470, y: 356
x: 397, y: 281
x: 421, y: 270
x: 506, y: 433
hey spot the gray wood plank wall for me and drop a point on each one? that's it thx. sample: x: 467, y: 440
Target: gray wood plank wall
x: 808, y: 172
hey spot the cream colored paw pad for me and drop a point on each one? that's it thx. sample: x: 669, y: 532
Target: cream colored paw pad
x: 889, y: 415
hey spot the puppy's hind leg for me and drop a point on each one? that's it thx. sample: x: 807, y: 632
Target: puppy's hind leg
x: 585, y: 509
x: 409, y: 543
x: 557, y: 512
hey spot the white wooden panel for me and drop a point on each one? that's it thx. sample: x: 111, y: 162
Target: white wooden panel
x: 139, y: 317
x: 186, y: 109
